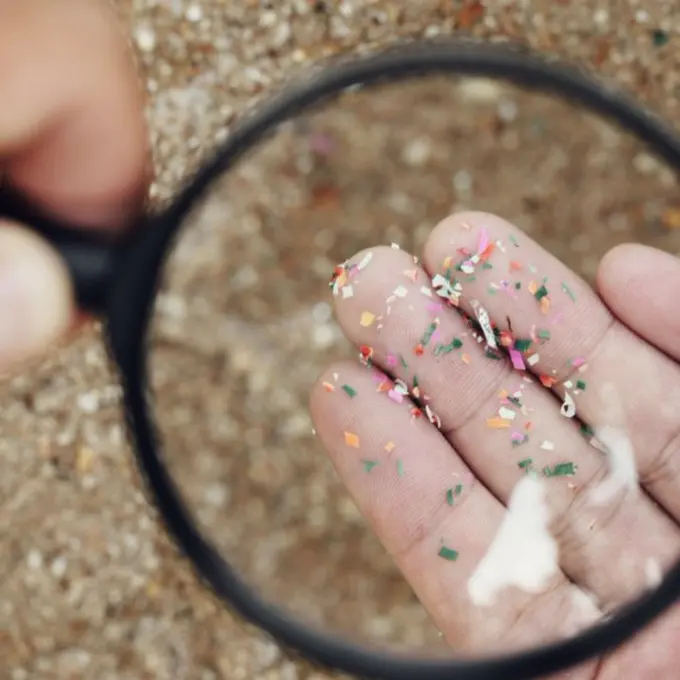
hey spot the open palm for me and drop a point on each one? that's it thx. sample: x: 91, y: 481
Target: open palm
x: 494, y: 378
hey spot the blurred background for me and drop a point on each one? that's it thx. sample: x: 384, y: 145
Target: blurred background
x: 89, y: 585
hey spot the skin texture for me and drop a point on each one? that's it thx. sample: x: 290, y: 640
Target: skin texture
x: 73, y: 137
x: 610, y: 543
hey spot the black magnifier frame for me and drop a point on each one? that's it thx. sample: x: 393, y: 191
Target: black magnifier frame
x: 119, y: 283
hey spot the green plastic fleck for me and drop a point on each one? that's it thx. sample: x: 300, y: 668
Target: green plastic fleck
x: 448, y: 554
x: 541, y: 293
x: 350, y: 391
x: 523, y: 344
x: 560, y: 470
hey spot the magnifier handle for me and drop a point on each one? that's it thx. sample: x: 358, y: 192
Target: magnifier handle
x: 89, y: 256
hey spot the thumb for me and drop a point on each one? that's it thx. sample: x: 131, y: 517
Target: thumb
x: 36, y: 297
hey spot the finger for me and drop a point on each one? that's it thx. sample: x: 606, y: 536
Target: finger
x: 501, y: 422
x: 420, y: 498
x: 621, y: 387
x: 72, y: 131
x: 36, y: 300
x: 641, y: 286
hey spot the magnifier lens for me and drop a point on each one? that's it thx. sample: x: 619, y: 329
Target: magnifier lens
x: 245, y: 323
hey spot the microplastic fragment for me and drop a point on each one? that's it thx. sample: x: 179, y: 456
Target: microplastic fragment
x: 446, y: 349
x: 568, y: 409
x: 568, y: 291
x: 347, y: 292
x: 560, y: 470
x: 449, y: 496
x: 446, y: 289
x: 365, y: 260
x: 513, y: 240
x: 483, y: 240
x: 367, y: 318
x: 468, y: 267
x: 389, y: 447
x: 400, y: 467
x: 547, y: 380
x: 401, y: 291
x: 485, y: 323
x: 541, y: 293
x: 350, y: 391
x: 516, y: 360
x: 587, y: 431
x: 448, y: 554
x: 366, y: 354
x: 329, y: 387
x: 369, y: 464
x: 427, y: 336
x: 533, y: 359
x: 497, y: 423
x: 523, y: 344
x: 547, y: 445
x: 580, y: 384
x: 506, y: 413
x: 395, y: 246
x: 401, y: 387
x: 395, y: 396
x: 524, y: 464
x: 426, y: 291
x: 352, y: 440
x: 459, y: 489
x: 544, y: 334
x: 433, y: 417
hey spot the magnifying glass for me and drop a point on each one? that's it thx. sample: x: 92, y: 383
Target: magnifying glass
x: 213, y: 432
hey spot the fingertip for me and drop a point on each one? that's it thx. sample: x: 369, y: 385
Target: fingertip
x: 627, y: 266
x: 457, y: 229
x: 613, y: 262
x: 36, y: 297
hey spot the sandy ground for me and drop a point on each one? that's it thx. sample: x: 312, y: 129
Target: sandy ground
x: 89, y: 585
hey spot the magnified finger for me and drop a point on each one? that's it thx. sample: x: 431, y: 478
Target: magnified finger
x: 503, y: 423
x: 439, y: 524
x: 622, y: 388
x: 641, y: 285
